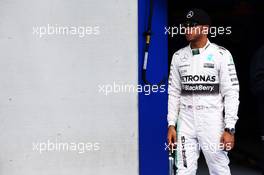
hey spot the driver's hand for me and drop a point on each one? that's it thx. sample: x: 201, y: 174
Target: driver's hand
x: 228, y: 140
x: 172, y: 139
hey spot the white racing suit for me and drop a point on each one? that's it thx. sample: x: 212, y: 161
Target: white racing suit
x: 203, y: 100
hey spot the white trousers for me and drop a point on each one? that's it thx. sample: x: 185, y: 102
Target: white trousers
x: 200, y: 130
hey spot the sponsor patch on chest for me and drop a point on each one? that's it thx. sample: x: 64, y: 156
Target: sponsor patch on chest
x: 209, y: 65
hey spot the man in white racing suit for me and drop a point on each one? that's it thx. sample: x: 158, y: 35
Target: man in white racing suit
x: 203, y: 100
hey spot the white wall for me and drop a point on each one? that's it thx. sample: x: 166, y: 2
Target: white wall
x: 49, y: 87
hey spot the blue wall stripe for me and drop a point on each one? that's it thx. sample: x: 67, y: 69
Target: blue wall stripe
x: 153, y: 159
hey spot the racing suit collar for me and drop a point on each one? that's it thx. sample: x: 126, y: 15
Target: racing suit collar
x: 199, y: 50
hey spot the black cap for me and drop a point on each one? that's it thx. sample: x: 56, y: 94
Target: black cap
x: 198, y: 16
